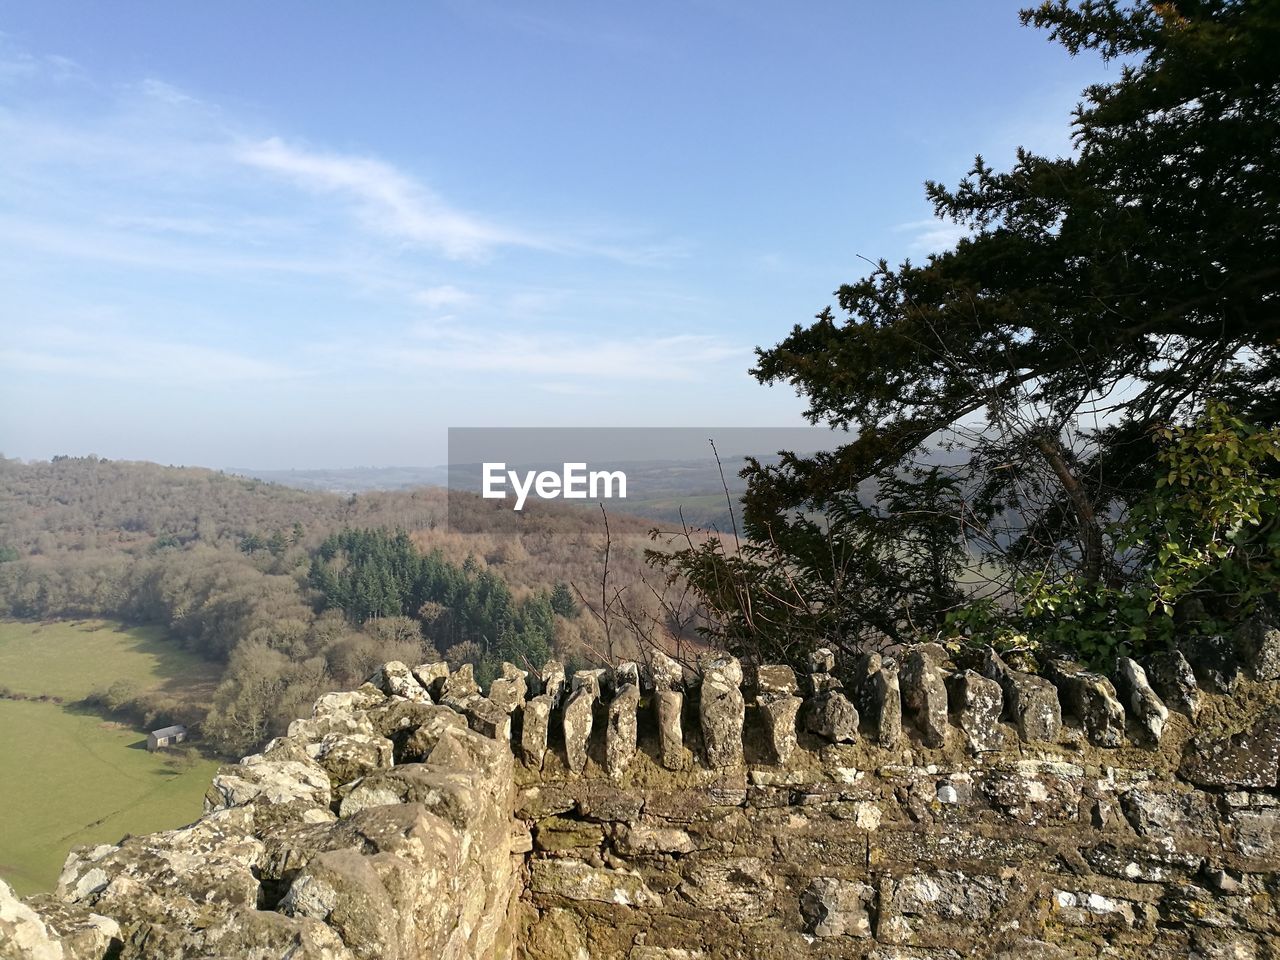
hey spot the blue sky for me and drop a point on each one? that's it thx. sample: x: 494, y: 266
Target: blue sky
x: 303, y: 235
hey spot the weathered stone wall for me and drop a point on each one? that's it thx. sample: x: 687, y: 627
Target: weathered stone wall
x: 378, y: 828
x: 916, y: 808
x: 1008, y: 816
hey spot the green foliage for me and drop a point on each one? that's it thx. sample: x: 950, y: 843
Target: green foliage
x: 371, y: 574
x: 858, y: 575
x: 1204, y: 547
x: 563, y: 601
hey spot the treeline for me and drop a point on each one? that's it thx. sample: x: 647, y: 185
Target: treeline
x: 292, y: 592
x: 466, y: 613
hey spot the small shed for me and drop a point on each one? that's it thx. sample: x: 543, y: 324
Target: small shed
x: 166, y: 736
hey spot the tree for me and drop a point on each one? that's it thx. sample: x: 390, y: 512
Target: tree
x: 1097, y: 298
x: 562, y: 600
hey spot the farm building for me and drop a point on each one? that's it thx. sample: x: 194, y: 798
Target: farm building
x: 166, y: 736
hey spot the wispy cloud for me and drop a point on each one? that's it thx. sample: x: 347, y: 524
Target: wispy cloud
x: 458, y: 347
x: 933, y: 235
x: 18, y: 64
x: 386, y: 200
x: 444, y: 295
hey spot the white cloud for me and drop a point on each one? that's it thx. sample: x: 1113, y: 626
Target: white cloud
x: 445, y: 295
x: 683, y: 357
x: 933, y: 235
x: 386, y: 200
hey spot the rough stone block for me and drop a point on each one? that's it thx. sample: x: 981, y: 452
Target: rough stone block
x: 832, y: 716
x: 837, y: 908
x: 1031, y: 701
x: 575, y: 880
x: 396, y: 680
x: 533, y: 735
x: 980, y: 702
x: 1171, y: 816
x: 646, y: 839
x: 432, y: 677
x: 487, y: 718
x: 822, y: 660
x: 936, y: 908
x: 590, y: 680
x: 1033, y: 794
x: 776, y: 678
x: 1084, y: 908
x: 1215, y: 661
x: 723, y: 666
x: 626, y: 672
x: 565, y: 835
x: 1256, y: 834
x: 779, y: 712
x: 1258, y: 644
x: 1092, y: 698
x: 885, y: 694
x: 1173, y: 679
x: 620, y: 734
x: 553, y: 682
x: 669, y: 706
x: 347, y: 757
x: 864, y: 668
x: 507, y: 693
x: 735, y: 886
x: 721, y: 711
x: 820, y: 683
x: 1250, y: 758
x: 460, y: 685
x: 665, y: 672
x: 924, y: 691
x: 577, y: 724
x: 1145, y: 706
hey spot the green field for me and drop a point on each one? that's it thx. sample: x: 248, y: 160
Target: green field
x: 67, y: 775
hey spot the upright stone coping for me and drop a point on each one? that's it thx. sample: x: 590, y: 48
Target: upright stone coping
x: 722, y: 711
x: 980, y: 702
x: 924, y: 683
x: 779, y: 705
x: 552, y: 682
x: 1092, y: 698
x: 663, y: 671
x: 509, y: 690
x: 1173, y: 679
x: 621, y: 733
x: 927, y: 692
x: 578, y: 718
x: 828, y: 713
x: 535, y: 730
x: 1144, y: 704
x: 1258, y: 644
x: 1031, y: 701
x: 382, y: 826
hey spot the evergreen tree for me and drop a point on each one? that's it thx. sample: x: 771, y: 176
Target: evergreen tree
x: 1139, y: 277
x: 563, y: 602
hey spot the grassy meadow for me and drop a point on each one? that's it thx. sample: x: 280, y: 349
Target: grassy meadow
x: 67, y: 775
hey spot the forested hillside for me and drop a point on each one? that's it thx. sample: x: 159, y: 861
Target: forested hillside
x: 297, y: 592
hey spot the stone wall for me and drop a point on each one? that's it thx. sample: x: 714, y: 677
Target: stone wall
x: 916, y: 807
x: 379, y: 828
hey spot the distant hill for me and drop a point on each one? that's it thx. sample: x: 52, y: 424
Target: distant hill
x: 660, y: 490
x: 351, y: 479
